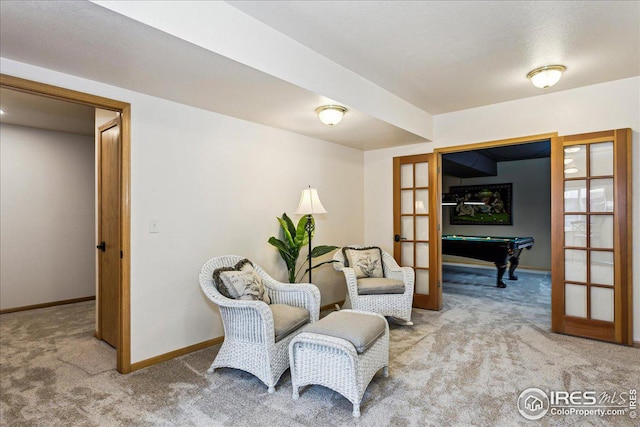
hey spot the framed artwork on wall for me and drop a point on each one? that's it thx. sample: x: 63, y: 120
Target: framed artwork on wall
x: 491, y: 204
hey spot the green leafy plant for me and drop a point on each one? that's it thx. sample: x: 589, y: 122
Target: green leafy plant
x: 295, y: 238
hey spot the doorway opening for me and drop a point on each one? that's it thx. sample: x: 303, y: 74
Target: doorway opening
x: 122, y: 280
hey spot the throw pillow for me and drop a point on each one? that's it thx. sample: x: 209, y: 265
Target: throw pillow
x: 241, y: 282
x: 366, y: 262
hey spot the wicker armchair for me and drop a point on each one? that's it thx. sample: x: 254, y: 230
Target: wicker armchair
x: 397, y: 305
x: 249, y: 333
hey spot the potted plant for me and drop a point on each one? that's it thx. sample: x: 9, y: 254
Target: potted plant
x: 295, y: 238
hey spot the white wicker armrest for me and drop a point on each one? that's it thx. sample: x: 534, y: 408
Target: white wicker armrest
x: 305, y: 295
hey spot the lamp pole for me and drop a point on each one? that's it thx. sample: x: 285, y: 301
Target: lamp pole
x: 309, y: 226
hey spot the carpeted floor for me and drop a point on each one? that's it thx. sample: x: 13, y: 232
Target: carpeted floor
x: 464, y: 365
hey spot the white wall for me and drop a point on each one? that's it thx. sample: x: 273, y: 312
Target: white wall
x: 216, y: 185
x: 47, y: 216
x: 605, y: 106
x: 530, y: 210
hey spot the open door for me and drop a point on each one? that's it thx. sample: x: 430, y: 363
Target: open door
x: 414, y: 222
x: 591, y: 225
x: 109, y: 299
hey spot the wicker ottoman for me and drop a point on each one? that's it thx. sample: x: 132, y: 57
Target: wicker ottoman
x: 342, y: 351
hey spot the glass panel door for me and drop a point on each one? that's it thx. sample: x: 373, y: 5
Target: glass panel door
x: 590, y: 204
x: 414, y: 178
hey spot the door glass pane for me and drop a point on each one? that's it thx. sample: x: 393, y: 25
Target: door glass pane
x: 601, y: 195
x: 575, y: 300
x: 406, y: 202
x: 407, y: 254
x: 406, y: 176
x: 602, y: 231
x: 422, y: 174
x: 422, y: 282
x: 406, y: 227
x: 575, y: 230
x: 601, y: 159
x: 422, y: 228
x: 602, y: 304
x: 575, y: 196
x: 422, y: 255
x: 575, y: 161
x: 422, y: 201
x: 602, y: 267
x: 575, y: 265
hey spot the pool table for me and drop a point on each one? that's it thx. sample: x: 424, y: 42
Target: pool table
x: 499, y: 250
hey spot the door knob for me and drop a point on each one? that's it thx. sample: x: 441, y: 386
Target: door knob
x: 397, y: 238
x: 102, y: 246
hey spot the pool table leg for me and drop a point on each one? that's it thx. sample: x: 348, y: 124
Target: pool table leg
x: 501, y: 269
x: 513, y: 264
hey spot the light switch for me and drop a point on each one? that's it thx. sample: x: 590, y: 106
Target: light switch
x: 154, y: 226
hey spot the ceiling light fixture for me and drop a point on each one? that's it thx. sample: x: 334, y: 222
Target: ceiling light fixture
x: 331, y: 114
x: 547, y: 76
x: 1, y: 111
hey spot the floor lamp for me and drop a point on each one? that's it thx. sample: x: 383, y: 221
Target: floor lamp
x: 310, y: 204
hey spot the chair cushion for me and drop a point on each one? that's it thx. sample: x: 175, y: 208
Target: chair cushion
x: 287, y: 318
x: 379, y: 286
x: 361, y: 330
x: 366, y: 262
x: 240, y: 282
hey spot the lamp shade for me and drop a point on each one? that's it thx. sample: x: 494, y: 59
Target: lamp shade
x: 331, y: 114
x: 310, y: 203
x: 547, y: 76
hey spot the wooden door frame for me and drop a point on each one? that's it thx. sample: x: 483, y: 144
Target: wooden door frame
x: 28, y: 86
x: 438, y: 152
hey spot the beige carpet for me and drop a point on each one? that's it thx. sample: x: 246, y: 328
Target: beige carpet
x: 464, y: 365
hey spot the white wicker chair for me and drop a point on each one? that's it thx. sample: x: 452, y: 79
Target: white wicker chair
x: 249, y: 335
x: 397, y: 306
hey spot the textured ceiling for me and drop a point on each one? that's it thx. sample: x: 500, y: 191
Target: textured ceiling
x: 440, y: 56
x: 445, y: 56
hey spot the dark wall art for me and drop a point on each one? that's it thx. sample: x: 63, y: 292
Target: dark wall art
x: 495, y: 207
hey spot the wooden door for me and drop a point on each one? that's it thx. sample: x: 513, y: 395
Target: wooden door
x: 414, y: 221
x: 109, y: 233
x: 591, y: 225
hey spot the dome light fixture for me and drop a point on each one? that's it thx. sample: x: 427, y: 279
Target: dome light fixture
x: 547, y: 76
x: 331, y: 114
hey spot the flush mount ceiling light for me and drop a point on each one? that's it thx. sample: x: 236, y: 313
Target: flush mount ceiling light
x: 331, y: 114
x: 547, y: 76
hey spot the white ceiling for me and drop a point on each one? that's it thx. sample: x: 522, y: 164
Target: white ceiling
x: 23, y: 109
x: 439, y: 56
x: 445, y: 56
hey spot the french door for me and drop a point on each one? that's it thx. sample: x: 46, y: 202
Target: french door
x: 414, y: 221
x: 591, y: 225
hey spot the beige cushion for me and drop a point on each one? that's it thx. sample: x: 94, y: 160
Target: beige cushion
x: 379, y: 286
x: 240, y: 282
x: 366, y: 262
x: 287, y: 318
x: 361, y: 330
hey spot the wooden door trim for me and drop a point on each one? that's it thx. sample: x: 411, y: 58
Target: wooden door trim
x: 497, y: 143
x: 42, y: 89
